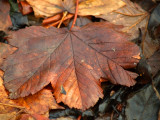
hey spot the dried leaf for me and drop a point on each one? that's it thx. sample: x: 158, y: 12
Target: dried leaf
x: 154, y: 63
x: 131, y: 16
x: 6, y: 105
x: 48, y: 8
x: 150, y: 46
x: 5, y: 50
x: 33, y: 104
x: 32, y: 117
x: 75, y: 59
x: 5, y: 20
x: 25, y: 8
x: 8, y: 116
x: 98, y: 7
x: 36, y: 104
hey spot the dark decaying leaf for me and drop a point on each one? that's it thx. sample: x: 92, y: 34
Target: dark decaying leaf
x: 150, y: 46
x: 154, y: 22
x: 75, y: 59
x: 81, y: 21
x: 144, y: 70
x: 18, y: 20
x: 62, y: 113
x: 154, y: 62
x: 144, y: 105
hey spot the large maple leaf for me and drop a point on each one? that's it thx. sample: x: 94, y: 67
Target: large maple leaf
x: 70, y: 60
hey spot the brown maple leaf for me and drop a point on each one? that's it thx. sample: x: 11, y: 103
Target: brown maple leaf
x: 48, y: 8
x: 72, y: 61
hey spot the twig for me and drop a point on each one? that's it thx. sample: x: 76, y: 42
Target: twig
x: 52, y: 19
x: 130, y: 14
x: 156, y: 91
x: 20, y: 107
x: 75, y: 16
x: 56, y: 23
x: 112, y: 115
x: 64, y: 15
x: 79, y: 117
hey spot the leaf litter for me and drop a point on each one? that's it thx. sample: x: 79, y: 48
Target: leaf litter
x: 75, y: 64
x: 69, y: 58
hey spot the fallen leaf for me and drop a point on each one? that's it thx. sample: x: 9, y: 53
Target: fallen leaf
x: 154, y: 63
x: 154, y: 22
x: 7, y: 107
x: 33, y: 104
x: 48, y: 8
x: 5, y: 50
x: 98, y: 7
x: 5, y: 20
x: 32, y: 117
x: 36, y: 104
x: 73, y: 59
x: 144, y: 71
x: 58, y: 114
x: 18, y: 20
x: 25, y: 8
x: 144, y: 104
x: 150, y: 46
x: 131, y: 16
x: 8, y: 116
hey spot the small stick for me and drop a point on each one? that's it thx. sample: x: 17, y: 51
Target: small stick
x: 75, y: 16
x: 156, y: 91
x: 129, y: 14
x: 52, y: 19
x: 112, y: 115
x: 56, y: 23
x: 64, y: 15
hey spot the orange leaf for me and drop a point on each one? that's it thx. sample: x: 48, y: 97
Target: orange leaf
x: 39, y: 103
x: 33, y: 104
x: 32, y: 117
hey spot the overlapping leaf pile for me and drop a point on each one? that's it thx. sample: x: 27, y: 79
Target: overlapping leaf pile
x: 71, y: 61
x: 74, y: 59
